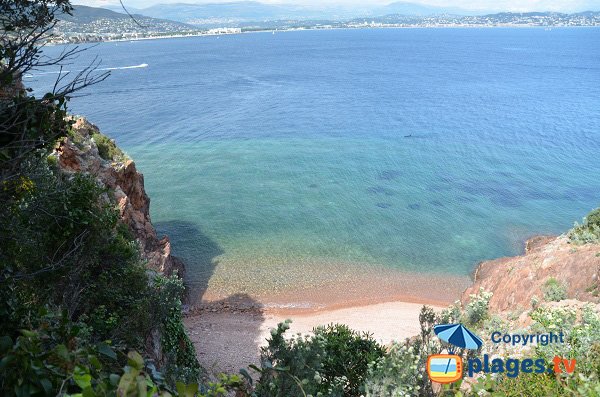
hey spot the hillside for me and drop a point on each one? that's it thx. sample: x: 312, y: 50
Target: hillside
x: 92, y: 21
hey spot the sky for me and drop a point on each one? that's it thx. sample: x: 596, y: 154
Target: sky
x: 495, y: 5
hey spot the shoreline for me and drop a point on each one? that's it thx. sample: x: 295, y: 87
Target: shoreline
x: 184, y: 36
x: 228, y: 335
x: 317, y: 287
x: 226, y: 341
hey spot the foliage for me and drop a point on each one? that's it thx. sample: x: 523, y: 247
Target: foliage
x: 62, y: 244
x: 477, y: 310
x: 71, y: 277
x: 399, y: 373
x: 27, y: 123
x: 182, y: 362
x: 402, y: 372
x: 38, y: 364
x: 107, y: 149
x: 588, y: 231
x: 333, y: 361
x: 581, y: 342
x: 553, y: 290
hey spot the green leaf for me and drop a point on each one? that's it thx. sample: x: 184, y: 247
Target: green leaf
x: 106, y: 350
x: 142, y: 387
x: 62, y: 352
x: 126, y: 383
x: 88, y: 392
x: 246, y: 376
x: 82, y: 378
x: 5, y: 343
x: 6, y: 361
x: 95, y: 362
x: 135, y: 360
x: 46, y: 385
x: 187, y: 390
x: 114, y: 379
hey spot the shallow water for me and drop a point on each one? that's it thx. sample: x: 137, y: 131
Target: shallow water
x: 423, y: 150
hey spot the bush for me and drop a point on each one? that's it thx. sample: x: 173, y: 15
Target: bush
x: 63, y: 246
x: 334, y: 361
x: 588, y: 231
x: 347, y: 355
x: 477, y: 310
x: 38, y: 364
x: 554, y: 291
x: 581, y: 342
x: 107, y: 149
x: 399, y: 373
x: 181, y: 354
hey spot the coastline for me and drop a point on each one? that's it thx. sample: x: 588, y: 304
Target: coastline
x: 184, y: 36
x: 231, y: 339
x: 315, y: 287
x: 229, y: 332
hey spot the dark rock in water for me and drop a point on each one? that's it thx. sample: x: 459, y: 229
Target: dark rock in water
x: 389, y: 175
x: 437, y: 203
x: 506, y: 199
x: 380, y: 190
x: 466, y: 199
x: 313, y: 186
x: 383, y: 205
x: 414, y: 206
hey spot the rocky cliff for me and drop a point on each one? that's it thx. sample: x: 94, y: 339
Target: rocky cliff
x: 87, y: 150
x: 519, y: 282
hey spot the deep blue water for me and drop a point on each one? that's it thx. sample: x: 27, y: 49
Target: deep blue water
x: 418, y: 149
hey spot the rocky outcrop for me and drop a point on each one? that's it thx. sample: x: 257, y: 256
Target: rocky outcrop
x: 517, y: 282
x: 80, y: 153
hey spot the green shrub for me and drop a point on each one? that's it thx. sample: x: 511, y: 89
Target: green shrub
x: 347, y: 355
x: 398, y: 373
x: 588, y: 231
x: 477, y: 310
x: 181, y: 354
x: 62, y: 245
x: 107, y: 149
x: 37, y: 363
x: 333, y: 361
x: 554, y: 291
x: 581, y: 335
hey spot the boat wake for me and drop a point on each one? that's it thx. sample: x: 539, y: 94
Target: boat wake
x: 140, y: 66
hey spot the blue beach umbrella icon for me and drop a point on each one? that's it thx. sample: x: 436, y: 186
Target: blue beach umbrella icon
x: 458, y: 335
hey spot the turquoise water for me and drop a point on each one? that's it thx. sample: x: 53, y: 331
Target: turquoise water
x: 424, y: 150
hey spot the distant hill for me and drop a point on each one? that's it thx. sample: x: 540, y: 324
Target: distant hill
x: 238, y: 13
x: 246, y: 11
x: 226, y: 12
x: 86, y: 15
x: 101, y: 21
x: 413, y: 9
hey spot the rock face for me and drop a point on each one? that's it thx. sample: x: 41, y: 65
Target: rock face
x: 516, y: 280
x: 126, y: 186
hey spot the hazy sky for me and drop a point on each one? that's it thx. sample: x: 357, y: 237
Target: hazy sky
x: 508, y: 5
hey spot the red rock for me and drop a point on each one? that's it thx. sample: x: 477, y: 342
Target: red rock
x: 126, y: 185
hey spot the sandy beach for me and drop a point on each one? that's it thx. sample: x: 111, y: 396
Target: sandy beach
x: 229, y: 340
x: 228, y: 328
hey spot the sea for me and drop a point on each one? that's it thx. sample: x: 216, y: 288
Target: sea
x: 273, y: 158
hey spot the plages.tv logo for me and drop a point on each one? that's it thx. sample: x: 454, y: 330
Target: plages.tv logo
x: 448, y: 368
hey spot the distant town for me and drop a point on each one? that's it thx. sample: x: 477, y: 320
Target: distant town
x: 107, y: 25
